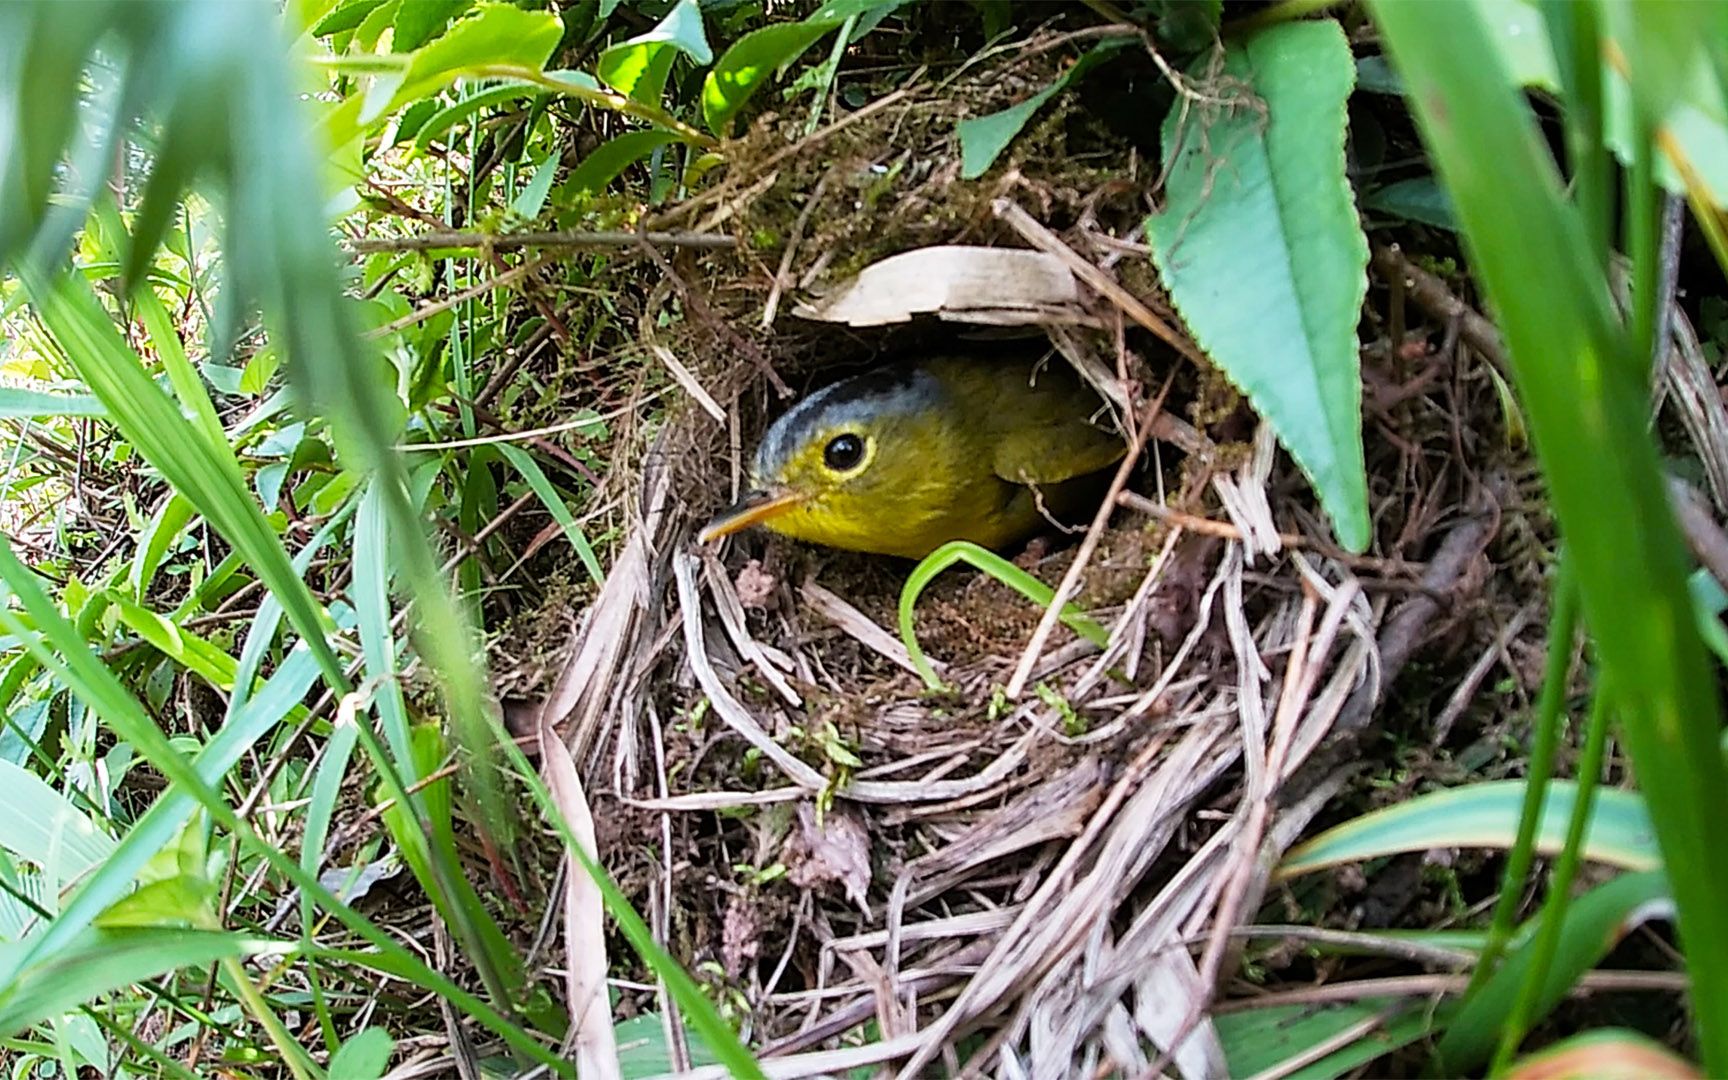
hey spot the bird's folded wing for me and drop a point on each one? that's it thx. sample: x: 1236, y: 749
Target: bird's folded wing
x: 1056, y: 452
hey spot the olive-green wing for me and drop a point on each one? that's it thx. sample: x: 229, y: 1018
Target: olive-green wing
x: 1054, y: 451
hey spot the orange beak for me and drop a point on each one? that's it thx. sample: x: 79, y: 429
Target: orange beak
x: 753, y: 509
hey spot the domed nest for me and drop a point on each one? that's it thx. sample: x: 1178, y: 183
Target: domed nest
x: 1041, y: 863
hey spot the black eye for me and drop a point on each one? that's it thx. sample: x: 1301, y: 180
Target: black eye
x: 843, y: 452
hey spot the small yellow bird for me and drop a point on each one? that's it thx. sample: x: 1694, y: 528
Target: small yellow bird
x: 901, y: 461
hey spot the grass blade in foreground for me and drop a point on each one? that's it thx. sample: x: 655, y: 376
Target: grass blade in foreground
x: 1587, y: 410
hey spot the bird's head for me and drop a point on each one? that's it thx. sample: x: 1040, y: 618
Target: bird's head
x: 834, y: 467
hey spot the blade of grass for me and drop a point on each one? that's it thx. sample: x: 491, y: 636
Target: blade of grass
x: 1579, y: 377
x: 1000, y: 569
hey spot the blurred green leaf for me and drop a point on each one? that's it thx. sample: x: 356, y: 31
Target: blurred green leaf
x: 17, y: 403
x: 364, y: 1055
x: 1420, y: 199
x: 638, y: 68
x: 1583, y: 380
x: 40, y: 824
x: 1259, y: 245
x: 1483, y: 815
x: 1279, y: 1040
x: 1594, y: 924
x: 1605, y: 1054
x: 101, y: 961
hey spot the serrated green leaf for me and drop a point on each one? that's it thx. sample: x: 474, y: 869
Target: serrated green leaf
x: 1484, y: 815
x: 1260, y: 247
x: 638, y: 68
x: 419, y: 21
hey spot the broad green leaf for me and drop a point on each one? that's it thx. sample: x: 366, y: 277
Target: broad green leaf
x: 364, y: 1056
x: 17, y: 403
x: 612, y: 157
x: 1259, y: 246
x: 1484, y: 815
x: 181, y: 900
x: 102, y: 961
x: 638, y: 68
x: 746, y: 66
x: 1268, y: 1041
x: 40, y: 824
x: 983, y: 138
x: 1594, y: 924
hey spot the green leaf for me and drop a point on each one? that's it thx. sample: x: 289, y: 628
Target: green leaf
x: 444, y: 119
x: 419, y: 21
x: 983, y: 138
x: 1420, y: 199
x: 17, y: 403
x: 638, y: 68
x: 1595, y: 923
x: 344, y: 17
x: 554, y: 504
x: 1259, y: 245
x: 612, y: 157
x: 745, y: 67
x: 1584, y: 383
x: 1484, y: 815
x: 533, y: 196
x: 105, y: 960
x: 494, y: 34
x: 164, y: 529
x: 40, y: 824
x: 1279, y: 1040
x: 1686, y: 94
x: 364, y: 1056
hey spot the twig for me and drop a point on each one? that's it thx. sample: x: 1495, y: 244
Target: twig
x: 1432, y: 295
x: 497, y: 281
x: 1071, y: 579
x: 566, y: 238
x: 1045, y: 240
x: 1709, y: 543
